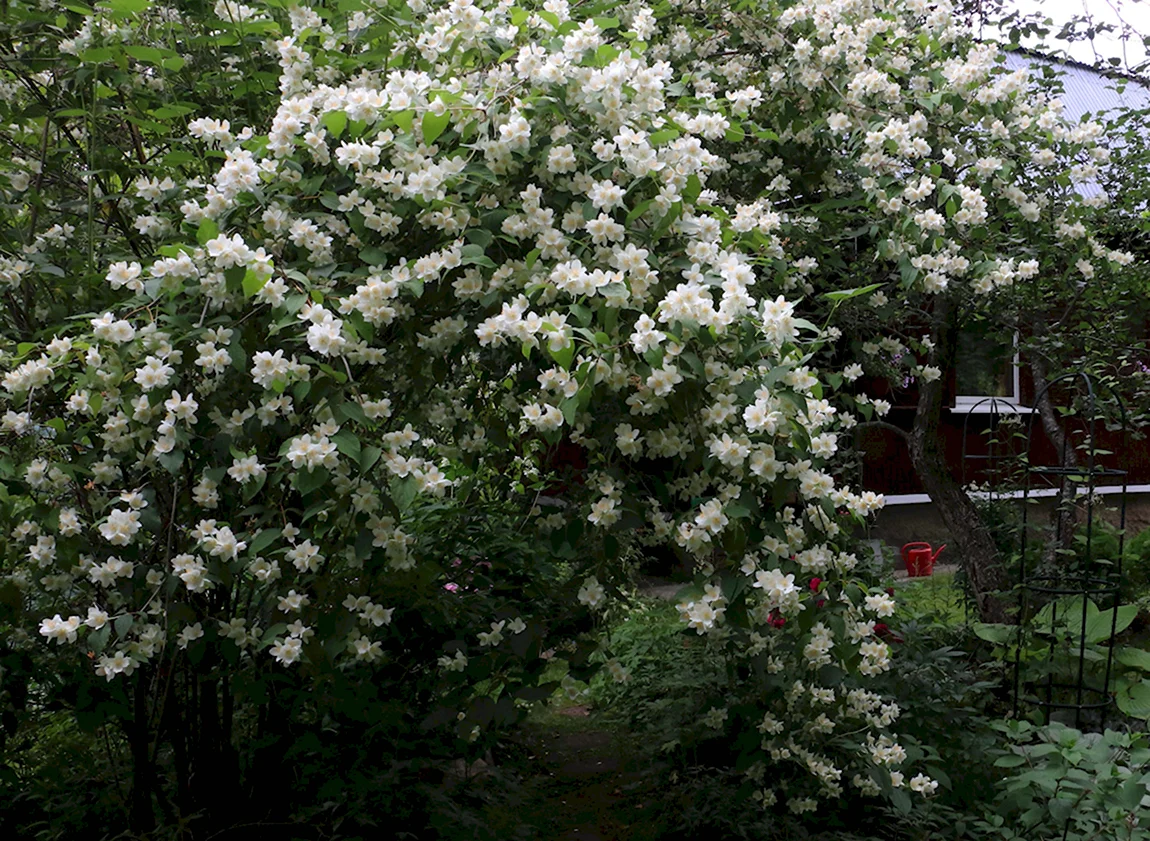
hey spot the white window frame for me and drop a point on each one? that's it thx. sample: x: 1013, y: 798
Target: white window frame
x: 985, y: 404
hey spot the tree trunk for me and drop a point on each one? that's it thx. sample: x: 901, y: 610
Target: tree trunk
x: 972, y: 539
x: 1064, y: 517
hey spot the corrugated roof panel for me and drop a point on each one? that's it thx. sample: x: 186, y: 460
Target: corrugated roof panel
x: 1085, y: 91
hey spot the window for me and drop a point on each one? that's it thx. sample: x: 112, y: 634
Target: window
x: 986, y: 368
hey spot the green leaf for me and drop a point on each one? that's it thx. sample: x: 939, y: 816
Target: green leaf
x: 349, y: 410
x: 564, y: 357
x: 735, y: 133
x: 997, y: 634
x: 1012, y: 761
x: 663, y: 136
x: 473, y: 255
x: 1132, y: 792
x: 207, y: 230
x: 347, y: 443
x: 1134, y: 700
x: 404, y: 119
x: 98, y: 55
x: 306, y: 481
x: 1060, y: 810
x: 253, y: 283
x: 263, y: 540
x: 368, y: 457
x: 123, y: 624
x: 847, y: 294
x: 434, y: 125
x: 122, y: 8
x: 1098, y: 626
x: 606, y: 54
x: 234, y: 278
x: 403, y: 492
x: 336, y: 122
x: 373, y: 256
x: 148, y: 55
x: 1136, y: 657
x: 693, y: 188
x: 173, y: 461
x: 99, y: 640
x: 569, y: 407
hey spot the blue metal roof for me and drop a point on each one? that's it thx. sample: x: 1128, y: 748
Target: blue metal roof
x: 1086, y: 91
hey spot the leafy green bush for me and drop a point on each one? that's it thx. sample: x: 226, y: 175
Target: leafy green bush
x: 1136, y: 566
x: 667, y: 678
x: 1065, y: 784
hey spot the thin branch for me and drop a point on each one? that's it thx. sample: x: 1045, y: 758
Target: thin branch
x: 889, y: 427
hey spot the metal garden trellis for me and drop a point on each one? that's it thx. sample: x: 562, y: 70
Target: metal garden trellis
x: 1074, y: 584
x: 997, y: 465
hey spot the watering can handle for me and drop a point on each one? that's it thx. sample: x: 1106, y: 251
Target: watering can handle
x: 917, y: 545
x: 938, y: 552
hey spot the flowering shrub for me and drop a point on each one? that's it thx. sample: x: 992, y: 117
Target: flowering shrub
x: 466, y: 231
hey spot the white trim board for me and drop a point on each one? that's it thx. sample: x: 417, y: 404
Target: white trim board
x: 1037, y: 493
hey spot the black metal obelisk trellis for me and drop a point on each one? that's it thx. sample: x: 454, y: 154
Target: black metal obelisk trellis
x: 991, y: 469
x: 1064, y: 655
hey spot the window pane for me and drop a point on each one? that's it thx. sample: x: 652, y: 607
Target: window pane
x: 985, y: 364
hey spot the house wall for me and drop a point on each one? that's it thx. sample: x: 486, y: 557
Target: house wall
x: 985, y: 449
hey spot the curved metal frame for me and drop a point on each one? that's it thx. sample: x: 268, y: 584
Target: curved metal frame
x: 1085, y: 581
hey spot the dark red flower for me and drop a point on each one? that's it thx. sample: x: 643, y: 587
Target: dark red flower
x: 883, y: 632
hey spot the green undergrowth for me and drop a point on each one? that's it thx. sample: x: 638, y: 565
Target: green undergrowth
x: 938, y: 597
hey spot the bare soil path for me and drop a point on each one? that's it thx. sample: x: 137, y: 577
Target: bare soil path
x: 588, y: 785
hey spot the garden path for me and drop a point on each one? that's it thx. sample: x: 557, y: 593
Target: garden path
x: 586, y: 786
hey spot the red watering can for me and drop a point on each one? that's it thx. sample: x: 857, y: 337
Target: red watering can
x: 919, y: 560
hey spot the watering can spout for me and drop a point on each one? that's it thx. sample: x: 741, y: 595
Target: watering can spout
x: 938, y: 552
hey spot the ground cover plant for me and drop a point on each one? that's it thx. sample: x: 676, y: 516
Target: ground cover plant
x: 302, y: 303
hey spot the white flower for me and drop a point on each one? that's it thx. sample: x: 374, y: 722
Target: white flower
x: 121, y: 527
x: 311, y: 453
x: 286, y: 651
x: 592, y: 592
x: 923, y: 784
x: 117, y: 664
x: 775, y: 585
x: 244, y: 470
x: 494, y: 636
x: 97, y: 618
x: 367, y: 650
x: 880, y: 604
x: 189, y: 634
x: 60, y: 630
